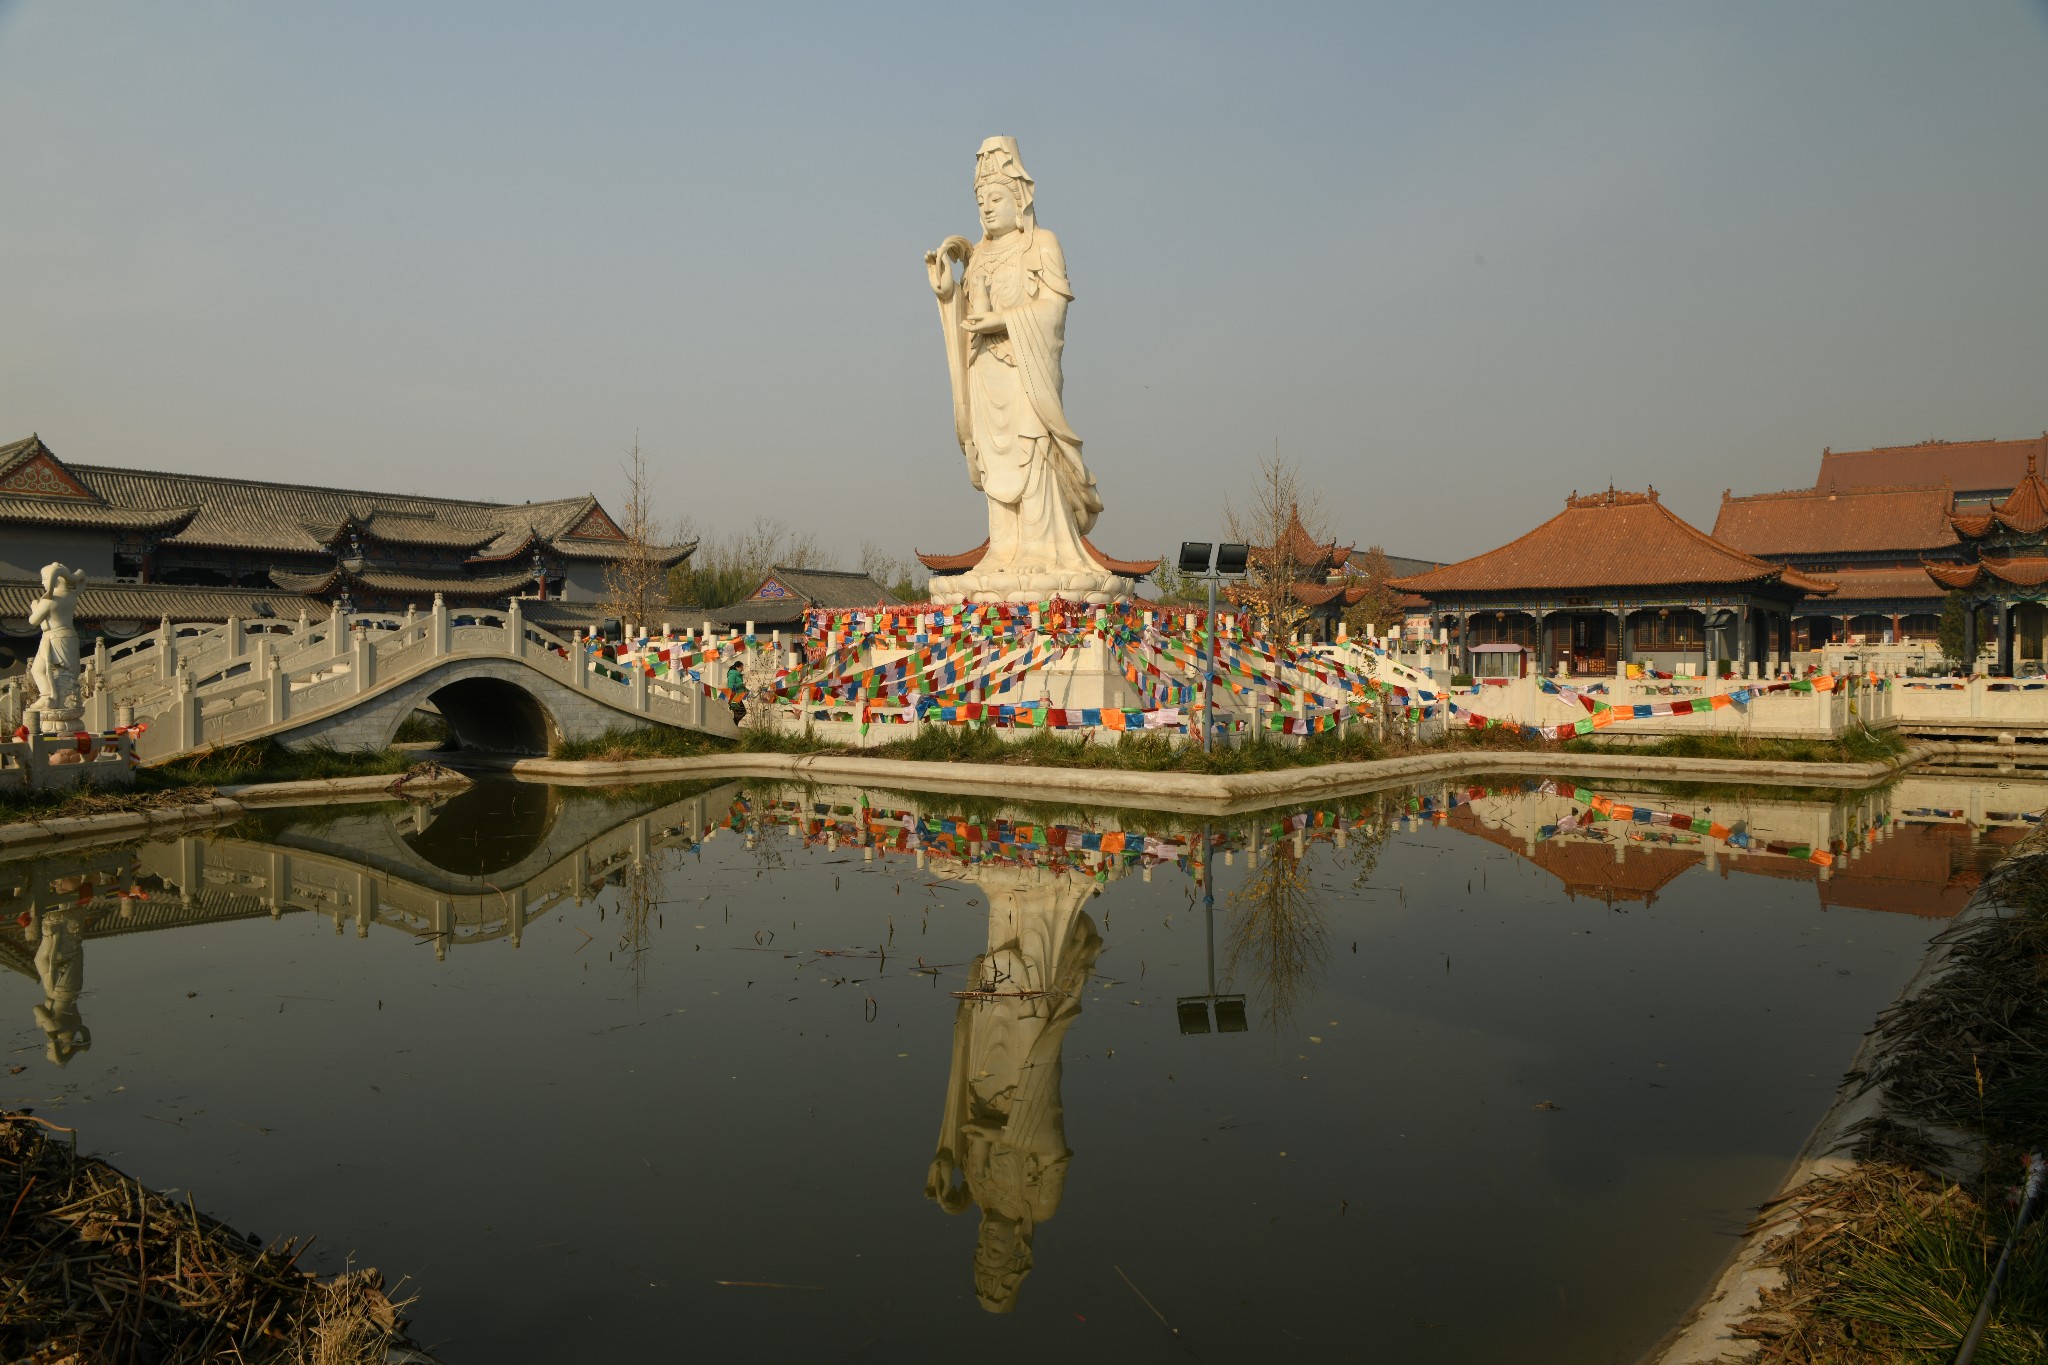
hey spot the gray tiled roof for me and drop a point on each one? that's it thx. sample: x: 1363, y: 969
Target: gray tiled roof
x: 396, y: 581
x: 830, y: 588
x: 149, y: 602
x: 251, y: 514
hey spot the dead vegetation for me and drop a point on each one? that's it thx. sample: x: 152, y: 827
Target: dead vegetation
x: 96, y: 1268
x: 1887, y: 1262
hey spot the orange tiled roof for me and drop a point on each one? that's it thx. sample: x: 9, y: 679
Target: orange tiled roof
x: 1823, y: 521
x: 1960, y: 464
x: 2024, y: 571
x: 967, y: 559
x: 2024, y: 510
x: 1870, y: 585
x: 1614, y: 540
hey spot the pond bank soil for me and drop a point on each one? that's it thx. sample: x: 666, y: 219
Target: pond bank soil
x: 1880, y: 1244
x: 94, y: 1267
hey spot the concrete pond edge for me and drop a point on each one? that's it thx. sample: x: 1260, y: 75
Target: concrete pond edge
x: 1190, y: 793
x: 1705, y: 1335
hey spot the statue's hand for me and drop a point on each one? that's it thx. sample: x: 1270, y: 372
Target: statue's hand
x: 940, y: 271
x: 984, y: 323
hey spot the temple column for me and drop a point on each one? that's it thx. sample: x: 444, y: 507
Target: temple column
x: 1621, y: 642
x: 1741, y: 641
x: 2005, y: 624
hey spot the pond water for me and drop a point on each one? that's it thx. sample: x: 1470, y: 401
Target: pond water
x: 765, y: 1072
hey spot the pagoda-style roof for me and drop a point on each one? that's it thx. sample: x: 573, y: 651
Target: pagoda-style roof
x: 2025, y: 571
x: 1609, y: 540
x: 1967, y: 465
x: 2024, y: 511
x: 37, y: 488
x: 1814, y: 521
x: 967, y: 559
x: 207, y: 512
x: 1315, y: 558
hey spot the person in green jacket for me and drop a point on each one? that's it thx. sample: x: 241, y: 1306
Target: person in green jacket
x: 736, y: 683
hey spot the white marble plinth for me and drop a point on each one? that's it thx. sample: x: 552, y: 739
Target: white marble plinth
x: 1098, y: 587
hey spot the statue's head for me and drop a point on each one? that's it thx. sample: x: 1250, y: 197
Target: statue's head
x: 1002, y: 188
x: 57, y: 578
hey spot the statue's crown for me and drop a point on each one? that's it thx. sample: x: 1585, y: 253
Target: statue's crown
x: 998, y: 160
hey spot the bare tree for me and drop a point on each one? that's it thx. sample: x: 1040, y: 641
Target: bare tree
x: 725, y: 569
x: 636, y: 583
x: 1380, y: 606
x: 906, y: 579
x: 1278, y: 523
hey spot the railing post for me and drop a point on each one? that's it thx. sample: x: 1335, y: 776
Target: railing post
x: 515, y: 631
x: 579, y: 662
x: 277, y: 692
x: 337, y: 634
x: 185, y: 706
x: 639, y: 688
x: 440, y: 626
x: 166, y: 652
x: 362, y: 661
x: 232, y: 631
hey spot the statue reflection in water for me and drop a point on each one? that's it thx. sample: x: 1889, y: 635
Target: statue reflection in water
x: 1002, y: 1141
x: 60, y: 966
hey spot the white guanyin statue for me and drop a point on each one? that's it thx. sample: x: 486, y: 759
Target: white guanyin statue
x: 55, y: 670
x: 1005, y: 318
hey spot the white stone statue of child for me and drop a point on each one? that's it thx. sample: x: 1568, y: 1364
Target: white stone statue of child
x: 55, y: 670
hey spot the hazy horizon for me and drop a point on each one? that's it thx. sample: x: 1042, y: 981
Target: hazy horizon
x: 1456, y: 261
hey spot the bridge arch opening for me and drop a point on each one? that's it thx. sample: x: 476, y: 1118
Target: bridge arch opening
x: 490, y: 713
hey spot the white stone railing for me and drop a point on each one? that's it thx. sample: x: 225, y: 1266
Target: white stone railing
x: 61, y: 761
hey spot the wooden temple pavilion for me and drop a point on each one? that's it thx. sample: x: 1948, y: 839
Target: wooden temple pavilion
x: 1978, y: 472
x: 2005, y: 574
x: 1618, y: 578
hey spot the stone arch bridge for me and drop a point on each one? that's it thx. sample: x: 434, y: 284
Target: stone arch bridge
x: 500, y: 682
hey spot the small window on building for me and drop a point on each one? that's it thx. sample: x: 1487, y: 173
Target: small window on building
x: 127, y: 568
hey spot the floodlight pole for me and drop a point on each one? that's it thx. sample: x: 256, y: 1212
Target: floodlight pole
x: 1209, y: 684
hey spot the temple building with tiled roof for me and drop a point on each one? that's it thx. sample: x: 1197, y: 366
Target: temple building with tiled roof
x: 1314, y: 571
x: 1870, y: 542
x: 786, y: 594
x: 2003, y: 573
x: 173, y: 539
x: 1975, y: 471
x: 1618, y: 578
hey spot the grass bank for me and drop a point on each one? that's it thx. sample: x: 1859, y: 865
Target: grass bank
x: 191, y: 780
x: 1890, y: 1262
x: 1858, y: 746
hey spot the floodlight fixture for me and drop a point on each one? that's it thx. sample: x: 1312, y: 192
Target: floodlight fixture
x: 1194, y: 556
x: 1231, y: 559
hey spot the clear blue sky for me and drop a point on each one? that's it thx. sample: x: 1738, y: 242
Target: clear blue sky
x: 1456, y: 259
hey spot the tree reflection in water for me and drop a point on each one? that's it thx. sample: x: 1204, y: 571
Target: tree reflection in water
x: 1279, y: 933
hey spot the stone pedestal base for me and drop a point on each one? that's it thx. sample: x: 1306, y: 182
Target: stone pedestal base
x: 53, y: 722
x: 1095, y: 586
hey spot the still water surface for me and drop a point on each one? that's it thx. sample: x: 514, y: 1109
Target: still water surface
x: 776, y: 1073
